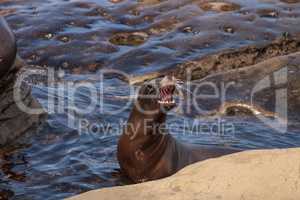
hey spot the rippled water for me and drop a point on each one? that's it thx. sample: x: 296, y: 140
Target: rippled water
x: 59, y: 160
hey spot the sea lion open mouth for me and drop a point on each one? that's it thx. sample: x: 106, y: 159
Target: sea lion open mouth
x: 166, y: 95
x: 166, y: 91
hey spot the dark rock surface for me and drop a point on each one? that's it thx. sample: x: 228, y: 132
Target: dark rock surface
x: 8, y: 47
x: 231, y: 59
x: 13, y: 121
x: 270, y: 75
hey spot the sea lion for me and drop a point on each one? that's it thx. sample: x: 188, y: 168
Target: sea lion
x: 145, y: 150
x: 8, y: 47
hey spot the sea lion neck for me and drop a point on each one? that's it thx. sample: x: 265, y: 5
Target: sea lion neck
x: 142, y: 125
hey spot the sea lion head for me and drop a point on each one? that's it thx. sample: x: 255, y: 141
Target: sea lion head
x: 158, y: 96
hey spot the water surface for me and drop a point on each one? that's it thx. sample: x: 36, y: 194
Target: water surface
x: 59, y: 160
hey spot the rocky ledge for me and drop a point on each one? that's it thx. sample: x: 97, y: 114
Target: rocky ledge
x: 256, y: 174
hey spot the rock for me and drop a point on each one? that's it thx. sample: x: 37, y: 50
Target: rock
x: 13, y: 121
x: 268, y: 13
x: 244, y: 93
x: 6, y: 194
x: 227, y: 60
x: 8, y: 47
x: 129, y: 39
x: 64, y: 39
x: 228, y: 29
x: 238, y: 58
x: 257, y: 174
x: 49, y: 36
x: 290, y: 1
x: 187, y: 29
x: 220, y: 6
x: 115, y: 1
x: 142, y: 78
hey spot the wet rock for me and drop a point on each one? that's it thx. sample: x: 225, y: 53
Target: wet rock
x: 157, y: 31
x: 33, y: 57
x: 7, y: 12
x: 148, y: 18
x: 13, y: 121
x: 64, y: 39
x: 228, y: 29
x: 115, y: 1
x: 99, y: 11
x: 290, y: 1
x: 94, y: 66
x: 243, y: 57
x: 129, y: 39
x: 6, y: 194
x: 83, y: 5
x: 187, y: 29
x: 65, y: 65
x: 163, y: 26
x: 238, y: 111
x: 142, y: 78
x: 242, y: 102
x: 268, y: 13
x: 242, y: 109
x: 7, y: 49
x: 220, y: 6
x: 135, y: 12
x: 49, y: 36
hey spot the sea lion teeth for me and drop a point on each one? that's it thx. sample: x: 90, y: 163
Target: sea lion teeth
x: 166, y: 101
x: 161, y: 102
